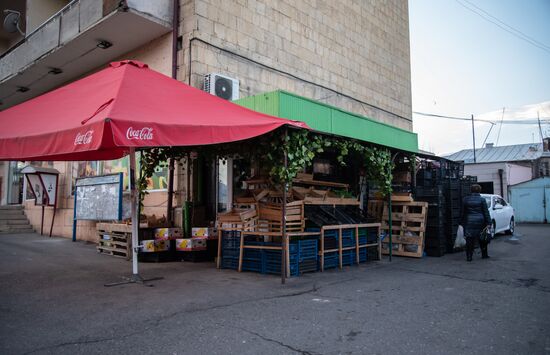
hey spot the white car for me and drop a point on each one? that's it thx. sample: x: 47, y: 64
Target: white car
x: 502, y: 214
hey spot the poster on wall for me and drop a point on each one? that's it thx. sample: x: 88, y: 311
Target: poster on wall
x: 36, y: 185
x: 159, y: 180
x: 118, y: 166
x: 83, y: 169
x: 50, y: 184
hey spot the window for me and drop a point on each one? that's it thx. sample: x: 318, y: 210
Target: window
x: 83, y: 169
x: 159, y: 180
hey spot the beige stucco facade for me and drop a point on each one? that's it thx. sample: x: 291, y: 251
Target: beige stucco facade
x: 352, y: 54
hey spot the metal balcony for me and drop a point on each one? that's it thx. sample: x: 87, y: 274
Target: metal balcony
x: 81, y: 37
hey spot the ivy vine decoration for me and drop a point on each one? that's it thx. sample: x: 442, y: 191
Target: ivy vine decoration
x: 301, y: 146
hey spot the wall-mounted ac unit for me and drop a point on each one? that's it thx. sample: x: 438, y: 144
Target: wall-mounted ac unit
x: 222, y: 86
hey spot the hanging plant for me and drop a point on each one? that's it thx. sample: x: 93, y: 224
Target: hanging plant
x: 301, y: 146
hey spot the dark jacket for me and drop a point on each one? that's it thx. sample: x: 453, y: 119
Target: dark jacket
x: 475, y: 214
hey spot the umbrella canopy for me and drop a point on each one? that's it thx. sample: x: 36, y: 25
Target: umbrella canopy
x: 125, y: 105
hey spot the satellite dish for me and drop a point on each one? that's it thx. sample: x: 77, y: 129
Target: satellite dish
x: 11, y: 22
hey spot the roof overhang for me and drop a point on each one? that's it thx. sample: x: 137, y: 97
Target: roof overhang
x: 331, y: 120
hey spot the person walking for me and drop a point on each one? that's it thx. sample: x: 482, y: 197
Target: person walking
x: 474, y: 218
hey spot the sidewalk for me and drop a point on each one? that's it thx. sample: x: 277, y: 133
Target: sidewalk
x: 54, y: 301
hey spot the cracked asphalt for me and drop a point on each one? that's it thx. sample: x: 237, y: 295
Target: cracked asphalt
x: 52, y: 301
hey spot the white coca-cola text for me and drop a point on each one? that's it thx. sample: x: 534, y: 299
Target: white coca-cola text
x: 145, y: 133
x: 85, y: 138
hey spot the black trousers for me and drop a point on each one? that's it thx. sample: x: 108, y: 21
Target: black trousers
x: 470, y: 244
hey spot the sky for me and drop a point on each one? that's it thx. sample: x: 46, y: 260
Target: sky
x: 462, y: 64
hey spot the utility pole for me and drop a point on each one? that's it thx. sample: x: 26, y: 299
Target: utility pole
x: 474, y: 138
x: 540, y: 128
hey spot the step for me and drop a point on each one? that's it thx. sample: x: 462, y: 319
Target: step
x: 13, y: 221
x: 7, y: 214
x: 10, y: 229
x: 11, y: 207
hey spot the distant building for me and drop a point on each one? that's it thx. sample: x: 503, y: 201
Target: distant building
x: 497, y: 168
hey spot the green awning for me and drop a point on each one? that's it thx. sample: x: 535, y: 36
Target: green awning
x: 330, y: 119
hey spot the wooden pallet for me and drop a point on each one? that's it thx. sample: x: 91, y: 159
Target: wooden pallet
x: 119, y: 242
x: 408, y: 228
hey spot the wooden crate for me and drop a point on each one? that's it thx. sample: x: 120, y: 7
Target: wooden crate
x: 119, y: 242
x: 271, y: 217
x: 408, y: 228
x: 375, y: 209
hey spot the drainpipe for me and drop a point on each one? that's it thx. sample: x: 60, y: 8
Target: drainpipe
x: 175, y: 26
x: 500, y: 173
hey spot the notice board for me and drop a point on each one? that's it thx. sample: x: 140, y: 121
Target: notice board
x: 101, y: 198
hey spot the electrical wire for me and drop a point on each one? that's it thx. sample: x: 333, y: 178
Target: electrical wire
x: 490, y: 18
x: 528, y: 121
x: 500, y: 128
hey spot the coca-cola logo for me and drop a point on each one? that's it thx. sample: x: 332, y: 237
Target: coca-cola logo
x: 145, y: 133
x: 85, y: 138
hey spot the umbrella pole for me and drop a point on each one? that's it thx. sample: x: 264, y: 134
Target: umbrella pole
x: 284, y: 240
x: 135, y: 278
x: 135, y: 217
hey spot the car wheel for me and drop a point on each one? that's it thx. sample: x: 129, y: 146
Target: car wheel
x: 511, y: 227
x: 493, y: 229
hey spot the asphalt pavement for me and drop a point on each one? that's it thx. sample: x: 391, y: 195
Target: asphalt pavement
x: 52, y: 301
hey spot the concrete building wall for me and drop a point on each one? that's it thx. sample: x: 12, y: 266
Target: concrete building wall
x: 488, y: 172
x: 517, y: 173
x: 38, y: 11
x: 351, y: 54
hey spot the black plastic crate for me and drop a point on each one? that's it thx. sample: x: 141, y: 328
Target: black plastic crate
x: 436, y: 252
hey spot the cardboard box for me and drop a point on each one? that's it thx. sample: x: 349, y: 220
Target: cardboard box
x: 168, y: 233
x: 190, y: 244
x: 162, y: 245
x: 147, y: 246
x: 202, y: 232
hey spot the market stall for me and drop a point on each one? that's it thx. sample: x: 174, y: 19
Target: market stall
x: 117, y: 110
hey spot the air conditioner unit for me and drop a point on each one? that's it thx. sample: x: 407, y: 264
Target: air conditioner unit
x: 222, y: 86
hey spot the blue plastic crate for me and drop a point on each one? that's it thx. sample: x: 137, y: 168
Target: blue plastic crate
x: 331, y: 260
x: 348, y: 257
x: 230, y: 263
x: 308, y: 265
x: 308, y: 249
x: 363, y: 255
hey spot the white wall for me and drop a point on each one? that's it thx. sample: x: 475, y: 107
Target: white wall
x: 488, y: 172
x: 517, y: 173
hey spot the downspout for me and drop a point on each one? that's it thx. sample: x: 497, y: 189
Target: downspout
x: 500, y: 173
x: 175, y: 26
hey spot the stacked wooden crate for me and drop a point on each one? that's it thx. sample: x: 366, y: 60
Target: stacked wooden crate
x: 408, y: 227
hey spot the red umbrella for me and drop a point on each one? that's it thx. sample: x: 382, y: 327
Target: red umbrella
x: 126, y: 106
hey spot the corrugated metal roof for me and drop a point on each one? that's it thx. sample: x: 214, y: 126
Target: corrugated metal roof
x: 497, y: 154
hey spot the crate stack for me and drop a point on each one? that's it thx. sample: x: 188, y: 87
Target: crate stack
x: 435, y: 243
x: 452, y: 188
x: 302, y: 255
x: 444, y: 192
